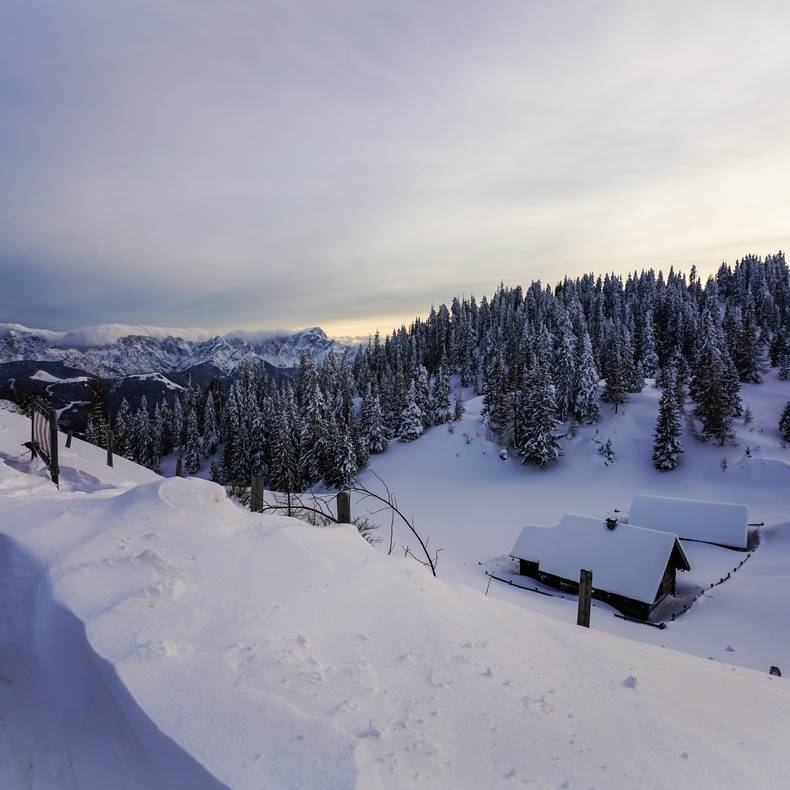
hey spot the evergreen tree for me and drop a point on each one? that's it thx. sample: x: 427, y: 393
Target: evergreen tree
x: 121, y: 429
x: 313, y: 458
x: 410, y: 427
x: 784, y: 422
x: 586, y: 398
x: 140, y: 441
x: 344, y: 462
x: 373, y: 428
x: 458, y: 409
x: 714, y: 385
x: 210, y: 427
x: 565, y: 374
x: 177, y: 423
x: 230, y: 470
x: 538, y: 443
x: 191, y: 452
x: 283, y: 470
x: 154, y: 452
x: 441, y: 395
x: 615, y: 390
x: 93, y: 434
x: 666, y: 442
x: 99, y: 413
x: 747, y: 353
x: 422, y: 395
x: 647, y: 347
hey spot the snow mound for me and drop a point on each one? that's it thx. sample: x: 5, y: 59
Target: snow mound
x: 217, y: 646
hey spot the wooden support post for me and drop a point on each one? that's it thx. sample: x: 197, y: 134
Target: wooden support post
x: 344, y: 507
x: 179, y: 464
x: 68, y: 438
x: 109, y: 448
x: 54, y: 469
x: 585, y: 598
x: 256, y: 495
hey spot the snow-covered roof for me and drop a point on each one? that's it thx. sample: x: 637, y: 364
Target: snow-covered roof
x: 693, y: 519
x: 627, y: 560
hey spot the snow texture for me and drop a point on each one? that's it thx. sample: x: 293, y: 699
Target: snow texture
x: 154, y: 635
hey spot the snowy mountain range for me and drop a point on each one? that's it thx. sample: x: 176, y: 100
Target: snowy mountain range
x: 120, y: 350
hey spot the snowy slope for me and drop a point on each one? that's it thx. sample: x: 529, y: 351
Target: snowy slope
x: 473, y: 505
x: 155, y: 635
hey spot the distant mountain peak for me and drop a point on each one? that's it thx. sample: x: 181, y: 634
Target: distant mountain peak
x: 124, y: 350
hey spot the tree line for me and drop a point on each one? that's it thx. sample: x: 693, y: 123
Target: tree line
x: 543, y: 360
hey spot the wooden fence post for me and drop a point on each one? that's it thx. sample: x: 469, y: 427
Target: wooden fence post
x: 344, y: 507
x: 109, y: 448
x: 68, y: 438
x: 256, y: 495
x: 54, y: 469
x: 178, y: 466
x: 585, y: 598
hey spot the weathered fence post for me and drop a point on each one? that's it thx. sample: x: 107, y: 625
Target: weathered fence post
x: 109, y: 448
x: 256, y: 496
x: 178, y: 466
x: 68, y: 438
x: 54, y: 469
x: 585, y: 598
x: 344, y: 507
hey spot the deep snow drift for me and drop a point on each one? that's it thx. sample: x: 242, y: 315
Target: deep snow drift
x: 155, y: 635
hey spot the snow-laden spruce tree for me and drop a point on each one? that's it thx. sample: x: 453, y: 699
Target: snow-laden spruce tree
x: 210, y: 427
x: 440, y: 405
x: 666, y: 438
x: 230, y: 469
x: 458, y: 409
x: 344, y: 461
x: 177, y: 423
x: 565, y: 373
x: 410, y: 427
x: 586, y: 398
x: 283, y: 470
x: 615, y: 391
x: 714, y: 384
x: 191, y: 453
x: 422, y: 394
x: 155, y: 438
x: 647, y: 347
x: 748, y: 349
x: 99, y: 413
x: 122, y: 426
x: 360, y: 444
x: 538, y: 443
x: 140, y: 440
x: 784, y: 422
x: 313, y: 434
x: 373, y: 428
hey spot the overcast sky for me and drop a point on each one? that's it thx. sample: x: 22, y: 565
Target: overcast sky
x: 231, y: 164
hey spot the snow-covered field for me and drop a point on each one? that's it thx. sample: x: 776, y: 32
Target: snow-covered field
x: 154, y: 635
x: 472, y: 504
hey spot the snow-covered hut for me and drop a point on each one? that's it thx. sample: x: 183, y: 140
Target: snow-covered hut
x: 633, y: 568
x: 692, y: 519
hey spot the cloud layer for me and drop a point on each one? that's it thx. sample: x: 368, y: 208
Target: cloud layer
x: 346, y: 164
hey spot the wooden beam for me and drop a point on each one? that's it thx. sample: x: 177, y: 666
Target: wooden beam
x: 585, y: 598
